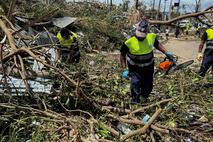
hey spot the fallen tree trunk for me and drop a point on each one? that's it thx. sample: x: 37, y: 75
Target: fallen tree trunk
x: 169, y: 22
x: 8, y: 34
x: 200, y: 20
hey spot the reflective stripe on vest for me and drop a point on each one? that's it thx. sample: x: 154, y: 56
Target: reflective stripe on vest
x: 67, y: 42
x: 140, y: 57
x: 141, y: 52
x: 138, y: 64
x: 209, y: 42
x: 137, y: 47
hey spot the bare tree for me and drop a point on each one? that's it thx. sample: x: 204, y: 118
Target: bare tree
x: 125, y: 5
x: 170, y: 9
x: 178, y: 9
x: 11, y: 9
x: 158, y: 12
x: 110, y: 4
x: 153, y: 9
x: 197, y: 6
x: 136, y: 4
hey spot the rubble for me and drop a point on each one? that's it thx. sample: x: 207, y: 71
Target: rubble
x: 43, y: 99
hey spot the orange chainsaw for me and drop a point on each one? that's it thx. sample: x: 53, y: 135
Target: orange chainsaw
x: 167, y: 66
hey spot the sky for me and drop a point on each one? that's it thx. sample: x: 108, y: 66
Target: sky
x: 189, y: 3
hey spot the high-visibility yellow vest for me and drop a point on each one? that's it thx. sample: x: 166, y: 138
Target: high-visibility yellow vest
x: 187, y: 26
x: 137, y: 47
x: 198, y: 28
x: 209, y: 42
x: 67, y: 42
x: 209, y: 34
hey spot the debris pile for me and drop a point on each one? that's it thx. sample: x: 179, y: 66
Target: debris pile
x: 43, y: 99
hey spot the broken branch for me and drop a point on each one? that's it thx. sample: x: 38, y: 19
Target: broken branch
x: 144, y: 128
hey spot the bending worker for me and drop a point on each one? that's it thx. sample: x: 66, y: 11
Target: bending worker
x: 207, y: 61
x: 69, y: 49
x: 197, y: 32
x: 137, y: 53
x: 187, y: 28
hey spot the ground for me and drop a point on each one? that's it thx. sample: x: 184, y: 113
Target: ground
x: 184, y: 49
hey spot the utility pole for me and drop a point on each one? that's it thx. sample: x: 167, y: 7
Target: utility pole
x: 110, y: 5
x: 164, y: 11
x: 153, y: 9
x: 170, y: 9
x: 198, y: 6
x: 178, y: 9
x: 158, y: 12
x: 136, y: 4
x: 11, y: 9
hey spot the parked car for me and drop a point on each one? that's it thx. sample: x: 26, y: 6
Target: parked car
x: 182, y: 23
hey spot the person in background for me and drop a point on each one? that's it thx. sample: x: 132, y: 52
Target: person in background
x: 187, y: 28
x: 177, y: 31
x: 137, y: 53
x: 207, y: 57
x: 167, y: 33
x: 197, y: 32
x: 68, y: 46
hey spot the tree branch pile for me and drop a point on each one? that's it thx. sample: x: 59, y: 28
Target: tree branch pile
x: 90, y: 102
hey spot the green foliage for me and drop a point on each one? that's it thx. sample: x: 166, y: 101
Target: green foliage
x: 36, y: 9
x: 30, y: 129
x: 4, y: 6
x: 99, y: 25
x: 102, y: 131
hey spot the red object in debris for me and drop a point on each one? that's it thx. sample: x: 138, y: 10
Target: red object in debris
x: 165, y: 65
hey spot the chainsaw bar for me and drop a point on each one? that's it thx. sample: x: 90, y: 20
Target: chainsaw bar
x: 181, y: 66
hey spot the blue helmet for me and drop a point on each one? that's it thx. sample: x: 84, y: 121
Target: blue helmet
x: 144, y: 25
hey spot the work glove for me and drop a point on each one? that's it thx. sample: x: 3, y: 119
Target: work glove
x: 199, y: 56
x: 170, y: 56
x: 125, y: 74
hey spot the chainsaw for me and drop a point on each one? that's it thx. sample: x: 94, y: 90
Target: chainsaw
x: 167, y: 66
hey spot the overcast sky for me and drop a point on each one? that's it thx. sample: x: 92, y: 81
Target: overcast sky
x: 189, y: 3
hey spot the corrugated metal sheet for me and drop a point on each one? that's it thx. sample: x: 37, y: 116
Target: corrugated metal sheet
x: 17, y: 86
x: 63, y: 21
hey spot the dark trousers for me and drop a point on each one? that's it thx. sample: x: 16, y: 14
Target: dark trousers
x: 197, y: 34
x: 207, y: 62
x: 71, y: 57
x: 141, y: 81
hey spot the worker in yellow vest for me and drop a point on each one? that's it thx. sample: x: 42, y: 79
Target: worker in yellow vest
x: 187, y: 28
x: 68, y: 46
x: 207, y: 57
x: 197, y: 32
x: 137, y: 53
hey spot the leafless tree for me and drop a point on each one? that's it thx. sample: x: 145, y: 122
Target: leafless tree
x: 158, y: 11
x: 136, y: 4
x: 197, y: 6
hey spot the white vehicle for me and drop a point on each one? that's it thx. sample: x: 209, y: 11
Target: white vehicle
x: 182, y: 23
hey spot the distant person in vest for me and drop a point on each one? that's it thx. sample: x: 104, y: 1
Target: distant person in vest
x: 187, y: 28
x: 69, y: 49
x: 137, y: 53
x: 197, y: 32
x: 207, y: 57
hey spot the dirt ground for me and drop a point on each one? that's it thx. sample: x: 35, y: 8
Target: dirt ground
x: 184, y: 49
